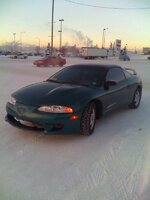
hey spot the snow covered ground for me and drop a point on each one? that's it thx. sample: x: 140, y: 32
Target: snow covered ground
x: 112, y: 164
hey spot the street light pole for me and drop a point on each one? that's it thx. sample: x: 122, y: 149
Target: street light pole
x: 60, y: 31
x: 38, y: 46
x: 14, y: 41
x: 21, y: 38
x: 14, y: 37
x: 103, y: 37
x: 52, y: 25
x: 39, y: 41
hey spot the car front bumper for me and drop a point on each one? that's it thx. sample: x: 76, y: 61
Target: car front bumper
x: 29, y: 117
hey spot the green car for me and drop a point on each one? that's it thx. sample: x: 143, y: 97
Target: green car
x: 73, y: 99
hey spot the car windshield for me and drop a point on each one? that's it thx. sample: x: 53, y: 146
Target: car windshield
x: 81, y: 75
x: 44, y: 58
x: 48, y: 58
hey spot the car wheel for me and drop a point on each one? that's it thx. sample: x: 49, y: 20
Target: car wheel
x: 136, y: 99
x: 88, y: 119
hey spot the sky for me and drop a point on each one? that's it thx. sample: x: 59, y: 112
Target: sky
x: 82, y: 25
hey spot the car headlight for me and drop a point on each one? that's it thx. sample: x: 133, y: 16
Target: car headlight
x: 12, y: 100
x: 55, y: 109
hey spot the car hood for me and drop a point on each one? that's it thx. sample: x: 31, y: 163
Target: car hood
x: 46, y: 93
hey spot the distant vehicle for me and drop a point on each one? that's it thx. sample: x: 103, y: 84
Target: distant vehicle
x: 148, y: 57
x: 50, y: 60
x: 146, y: 50
x: 5, y: 53
x: 73, y: 98
x: 124, y: 56
x: 30, y: 54
x: 19, y: 56
x: 22, y: 56
x: 92, y: 52
x: 13, y: 56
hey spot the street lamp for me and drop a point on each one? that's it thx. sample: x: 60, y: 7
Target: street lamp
x: 103, y: 37
x: 60, y: 31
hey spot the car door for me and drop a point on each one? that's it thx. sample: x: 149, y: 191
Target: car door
x: 116, y: 94
x: 53, y: 61
x: 49, y: 61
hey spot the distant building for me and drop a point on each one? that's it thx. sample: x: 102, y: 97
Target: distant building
x: 146, y: 50
x: 118, y: 44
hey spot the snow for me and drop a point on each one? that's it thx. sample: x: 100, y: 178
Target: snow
x: 111, y: 164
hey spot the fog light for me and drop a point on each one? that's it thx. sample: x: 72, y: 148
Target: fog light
x: 74, y: 117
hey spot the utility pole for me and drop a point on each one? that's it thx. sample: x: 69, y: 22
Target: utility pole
x: 60, y: 31
x: 14, y: 37
x: 103, y: 37
x: 52, y: 26
x: 14, y: 42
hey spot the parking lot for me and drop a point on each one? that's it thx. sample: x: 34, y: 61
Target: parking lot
x: 111, y: 164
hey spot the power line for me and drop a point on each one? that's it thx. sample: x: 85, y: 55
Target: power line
x: 105, y: 7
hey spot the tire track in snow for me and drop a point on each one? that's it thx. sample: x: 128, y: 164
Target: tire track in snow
x: 125, y: 170
x: 119, y: 172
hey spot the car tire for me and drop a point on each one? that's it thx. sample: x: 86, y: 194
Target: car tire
x: 88, y: 119
x: 136, y: 99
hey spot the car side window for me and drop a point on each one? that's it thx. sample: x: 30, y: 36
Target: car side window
x: 115, y: 74
x: 127, y: 74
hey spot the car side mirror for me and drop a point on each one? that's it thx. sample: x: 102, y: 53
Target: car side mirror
x: 109, y: 83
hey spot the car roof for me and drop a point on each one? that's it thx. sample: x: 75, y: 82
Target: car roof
x: 96, y: 66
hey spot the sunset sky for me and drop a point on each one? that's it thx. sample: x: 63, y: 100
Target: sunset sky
x: 31, y: 21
